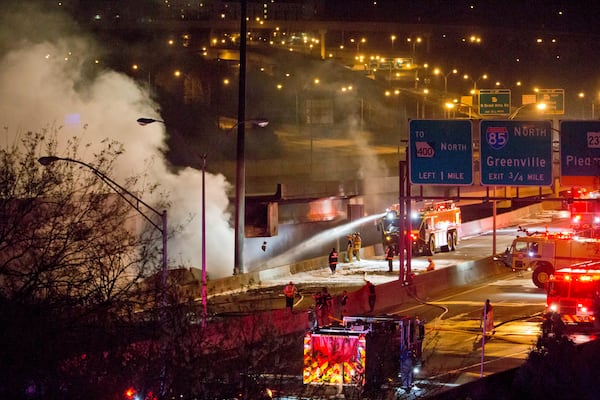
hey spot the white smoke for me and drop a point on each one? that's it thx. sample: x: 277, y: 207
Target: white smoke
x: 42, y: 83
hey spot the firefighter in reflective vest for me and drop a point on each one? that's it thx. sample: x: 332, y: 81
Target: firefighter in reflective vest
x: 290, y: 291
x: 333, y: 260
x: 356, y: 241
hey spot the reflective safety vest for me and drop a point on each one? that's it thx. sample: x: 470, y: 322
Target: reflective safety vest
x: 333, y: 258
x: 289, y: 291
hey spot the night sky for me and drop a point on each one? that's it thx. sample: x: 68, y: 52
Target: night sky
x: 551, y: 15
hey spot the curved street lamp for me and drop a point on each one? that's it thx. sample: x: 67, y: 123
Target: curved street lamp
x: 204, y: 295
x: 474, y: 81
x: 134, y: 202
x: 472, y: 111
x: 240, y: 197
x: 414, y: 42
x: 358, y: 42
x: 539, y: 106
x: 454, y: 71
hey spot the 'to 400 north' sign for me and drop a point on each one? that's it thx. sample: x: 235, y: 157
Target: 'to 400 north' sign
x: 516, y: 153
x: 441, y: 152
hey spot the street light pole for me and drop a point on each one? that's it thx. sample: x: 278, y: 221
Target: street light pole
x: 240, y: 192
x: 123, y: 193
x: 204, y: 294
x: 454, y: 71
x: 240, y: 170
x: 472, y: 111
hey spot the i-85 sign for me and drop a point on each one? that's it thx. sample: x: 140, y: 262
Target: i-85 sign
x: 516, y: 153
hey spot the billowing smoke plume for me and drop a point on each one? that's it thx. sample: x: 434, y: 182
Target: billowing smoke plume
x: 44, y: 82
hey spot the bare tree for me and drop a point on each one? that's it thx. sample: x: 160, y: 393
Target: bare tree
x: 72, y: 255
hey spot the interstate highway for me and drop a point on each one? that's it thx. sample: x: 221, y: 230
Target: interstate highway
x: 453, y: 346
x: 350, y: 276
x: 470, y: 248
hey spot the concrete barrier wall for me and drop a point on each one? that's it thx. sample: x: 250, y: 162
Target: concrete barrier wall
x: 389, y: 295
x: 502, y: 220
x: 392, y: 294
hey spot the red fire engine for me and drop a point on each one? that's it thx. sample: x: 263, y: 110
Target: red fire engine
x: 545, y: 252
x: 574, y: 294
x: 435, y: 226
x: 584, y: 209
x: 366, y: 352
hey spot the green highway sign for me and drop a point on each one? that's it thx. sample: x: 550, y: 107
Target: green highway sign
x: 579, y: 153
x: 515, y: 153
x: 554, y: 100
x: 494, y: 101
x: 440, y: 152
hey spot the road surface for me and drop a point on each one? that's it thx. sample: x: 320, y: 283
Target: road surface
x: 351, y: 276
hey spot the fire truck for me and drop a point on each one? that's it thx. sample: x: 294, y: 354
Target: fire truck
x: 363, y: 353
x: 435, y: 226
x: 584, y: 209
x: 545, y: 252
x: 574, y: 294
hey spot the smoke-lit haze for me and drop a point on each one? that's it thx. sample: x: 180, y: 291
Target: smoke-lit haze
x: 42, y: 84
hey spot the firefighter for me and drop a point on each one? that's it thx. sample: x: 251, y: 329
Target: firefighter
x: 333, y: 260
x: 356, y: 243
x: 290, y: 291
x: 487, y: 318
x: 547, y: 326
x: 349, y: 248
x: 324, y: 308
x: 558, y: 326
x: 313, y: 322
x: 420, y: 331
x: 371, y: 295
x: 343, y: 304
x: 596, y: 305
x: 389, y: 256
x: 431, y: 265
x: 318, y: 307
x: 407, y: 367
